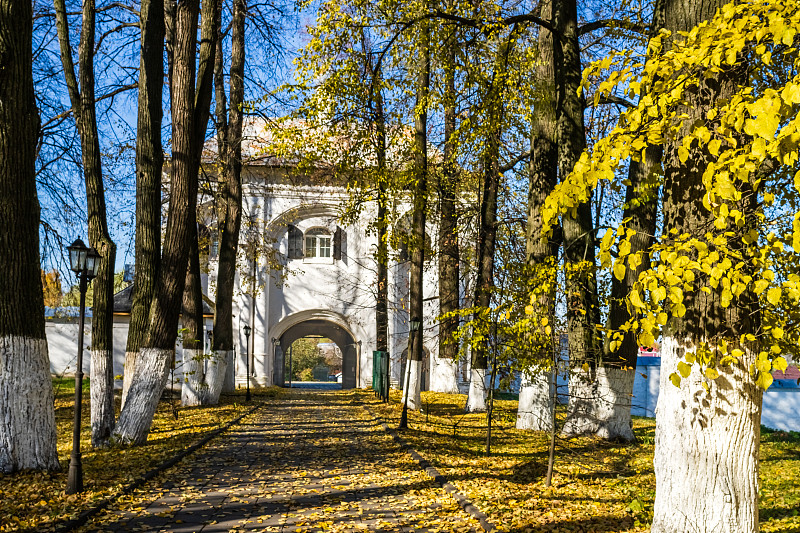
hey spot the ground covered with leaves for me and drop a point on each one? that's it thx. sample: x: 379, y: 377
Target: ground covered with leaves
x: 597, y: 486
x: 37, y: 501
x: 308, y: 461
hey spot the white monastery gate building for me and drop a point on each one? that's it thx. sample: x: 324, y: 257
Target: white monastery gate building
x: 315, y: 276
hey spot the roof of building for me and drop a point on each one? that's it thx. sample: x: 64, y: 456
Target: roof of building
x: 123, y: 302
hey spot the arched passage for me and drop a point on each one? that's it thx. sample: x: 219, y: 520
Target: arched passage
x: 293, y: 328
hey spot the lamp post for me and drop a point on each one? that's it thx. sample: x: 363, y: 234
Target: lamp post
x: 85, y: 262
x: 247, y: 358
x: 404, y: 415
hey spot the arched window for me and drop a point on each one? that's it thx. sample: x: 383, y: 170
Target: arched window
x: 318, y: 243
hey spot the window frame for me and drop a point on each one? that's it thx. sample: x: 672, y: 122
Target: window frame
x: 322, y: 241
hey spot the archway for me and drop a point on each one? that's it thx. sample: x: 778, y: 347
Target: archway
x: 319, y: 328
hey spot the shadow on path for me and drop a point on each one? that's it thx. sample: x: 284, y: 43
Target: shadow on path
x: 310, y: 461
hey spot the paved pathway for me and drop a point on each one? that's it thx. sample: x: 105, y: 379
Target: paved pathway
x: 313, y: 461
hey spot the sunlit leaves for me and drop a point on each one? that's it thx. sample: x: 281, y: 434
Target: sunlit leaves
x: 743, y: 142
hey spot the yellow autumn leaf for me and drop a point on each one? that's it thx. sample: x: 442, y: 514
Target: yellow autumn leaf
x: 760, y: 285
x: 619, y: 270
x: 764, y: 380
x: 763, y: 363
x: 774, y: 296
x: 779, y: 363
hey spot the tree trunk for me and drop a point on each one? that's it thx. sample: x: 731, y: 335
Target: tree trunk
x: 382, y: 256
x: 192, y: 321
x: 158, y: 347
x: 193, y: 388
x: 535, y: 401
x: 82, y: 99
x: 149, y: 161
x: 706, y: 455
x: 541, y: 250
x: 230, y: 201
x: 583, y: 313
x: 382, y: 223
x: 615, y: 385
x: 615, y: 378
x: 415, y: 346
x: 27, y: 417
x: 201, y: 387
x: 449, y: 293
x: 487, y: 231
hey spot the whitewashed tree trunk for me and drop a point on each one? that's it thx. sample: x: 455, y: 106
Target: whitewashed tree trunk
x: 147, y: 385
x: 600, y: 403
x: 613, y: 403
x: 476, y: 397
x: 101, y: 373
x: 444, y: 375
x: 216, y: 374
x: 414, y: 385
x: 203, y: 377
x: 127, y: 374
x: 193, y: 385
x: 706, y: 454
x: 535, y: 402
x: 27, y: 419
x: 229, y: 378
x: 581, y: 409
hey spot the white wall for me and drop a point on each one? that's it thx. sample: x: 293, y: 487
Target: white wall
x: 62, y: 345
x: 780, y: 409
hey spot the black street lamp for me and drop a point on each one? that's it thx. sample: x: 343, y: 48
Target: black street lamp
x: 404, y: 416
x: 85, y: 262
x: 247, y: 358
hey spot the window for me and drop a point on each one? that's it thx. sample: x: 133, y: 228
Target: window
x: 318, y: 243
x: 213, y: 246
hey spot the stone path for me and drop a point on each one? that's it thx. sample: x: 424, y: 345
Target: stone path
x: 312, y: 461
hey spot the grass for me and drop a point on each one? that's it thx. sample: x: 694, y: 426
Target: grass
x: 597, y: 486
x: 37, y: 501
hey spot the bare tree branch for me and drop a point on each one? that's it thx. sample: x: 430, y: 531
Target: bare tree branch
x: 106, y: 96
